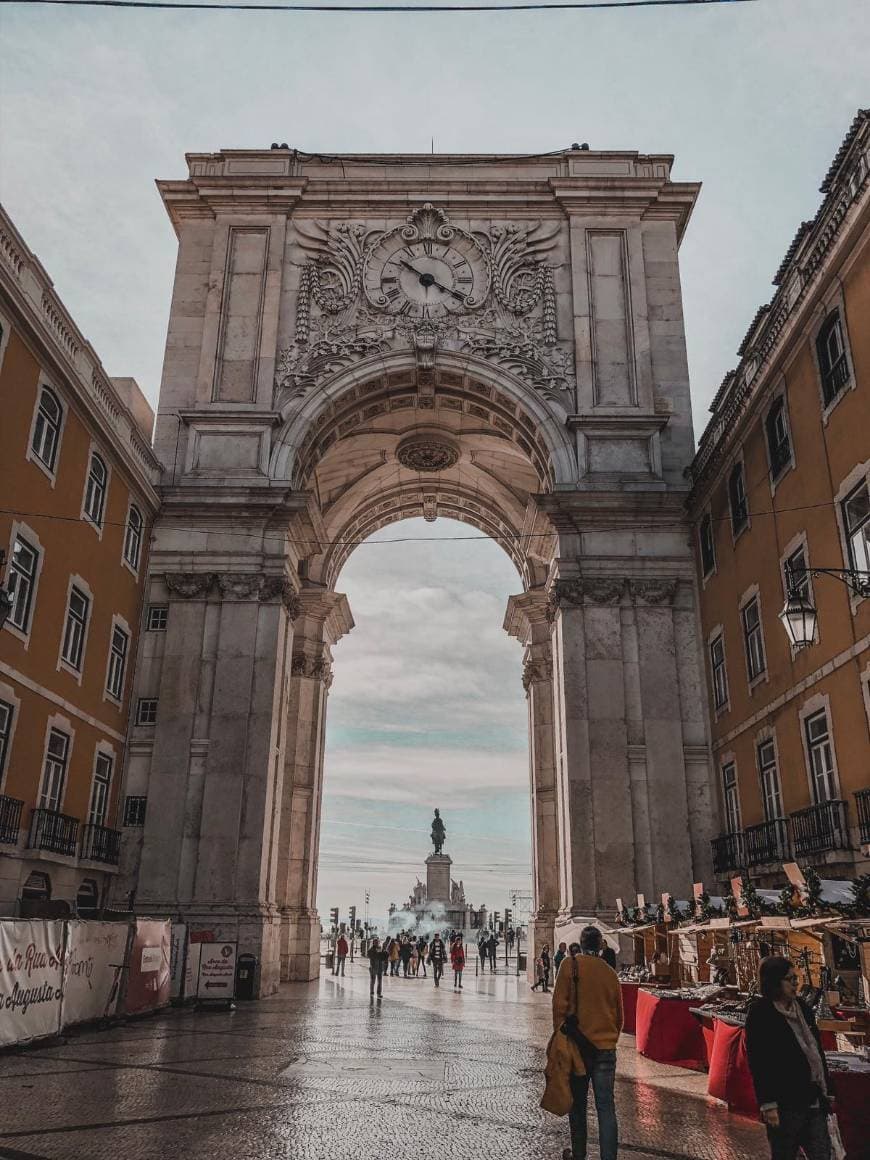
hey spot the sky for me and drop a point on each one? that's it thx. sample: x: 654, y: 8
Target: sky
x: 753, y: 100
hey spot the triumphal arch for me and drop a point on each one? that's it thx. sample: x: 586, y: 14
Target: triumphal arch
x: 358, y: 339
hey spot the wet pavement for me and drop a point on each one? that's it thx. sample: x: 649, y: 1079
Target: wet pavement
x: 317, y: 1072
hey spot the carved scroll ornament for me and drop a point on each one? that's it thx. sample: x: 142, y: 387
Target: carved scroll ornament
x: 190, y: 585
x: 653, y: 592
x: 582, y: 591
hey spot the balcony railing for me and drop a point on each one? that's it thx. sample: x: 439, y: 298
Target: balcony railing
x: 767, y: 842
x: 835, y: 378
x: 728, y: 853
x: 50, y: 830
x: 819, y: 828
x: 10, y: 819
x: 100, y: 844
x: 862, y: 801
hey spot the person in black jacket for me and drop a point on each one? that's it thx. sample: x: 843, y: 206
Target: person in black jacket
x: 788, y: 1066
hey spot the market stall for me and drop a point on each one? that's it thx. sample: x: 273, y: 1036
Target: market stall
x: 667, y: 1031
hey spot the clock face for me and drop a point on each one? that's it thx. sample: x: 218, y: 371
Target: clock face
x: 425, y: 279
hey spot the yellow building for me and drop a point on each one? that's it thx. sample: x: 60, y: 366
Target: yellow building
x: 77, y: 483
x: 781, y: 487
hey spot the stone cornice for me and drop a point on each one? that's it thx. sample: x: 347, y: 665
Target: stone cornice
x: 266, y: 588
x: 580, y: 591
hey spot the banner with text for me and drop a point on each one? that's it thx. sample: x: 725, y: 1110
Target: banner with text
x: 31, y: 979
x: 94, y: 966
x: 148, y: 981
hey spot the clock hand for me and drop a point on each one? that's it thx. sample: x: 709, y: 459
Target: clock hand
x: 428, y: 280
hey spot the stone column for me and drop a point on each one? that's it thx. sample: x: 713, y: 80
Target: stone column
x: 527, y: 620
x: 216, y: 765
x: 324, y: 618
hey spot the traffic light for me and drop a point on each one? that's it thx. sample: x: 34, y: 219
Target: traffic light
x: 496, y: 920
x: 352, y: 917
x: 508, y: 915
x: 333, y: 917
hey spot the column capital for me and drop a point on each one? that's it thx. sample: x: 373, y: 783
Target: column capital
x: 537, y: 669
x: 578, y: 591
x: 526, y: 615
x: 190, y: 585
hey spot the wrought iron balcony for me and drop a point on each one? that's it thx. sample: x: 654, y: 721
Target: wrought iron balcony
x: 835, y: 378
x: 10, y: 819
x: 862, y: 801
x: 767, y: 842
x: 100, y: 844
x: 728, y: 853
x: 50, y: 830
x: 819, y: 828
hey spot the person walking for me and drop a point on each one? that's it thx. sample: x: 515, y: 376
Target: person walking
x: 561, y: 953
x: 415, y: 959
x: 492, y: 947
x: 341, y: 951
x: 395, y: 955
x: 539, y: 973
x: 437, y: 957
x: 587, y: 1006
x: 422, y: 951
x: 482, y: 950
x: 457, y: 961
x: 377, y: 958
x: 405, y: 951
x: 788, y: 1066
x: 546, y: 965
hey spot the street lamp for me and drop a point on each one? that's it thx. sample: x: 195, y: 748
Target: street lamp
x: 5, y: 597
x: 799, y: 616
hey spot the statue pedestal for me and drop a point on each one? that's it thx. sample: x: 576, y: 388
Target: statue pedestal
x: 438, y: 878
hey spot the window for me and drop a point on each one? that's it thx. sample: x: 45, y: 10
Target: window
x: 856, y: 521
x: 778, y: 442
x: 95, y: 490
x: 833, y: 362
x: 732, y: 797
x: 100, y: 790
x: 6, y: 715
x: 158, y: 615
x: 752, y: 639
x: 146, y: 711
x: 134, y: 811
x: 87, y: 898
x: 720, y: 676
x: 75, y: 629
x: 133, y: 537
x: 117, y: 663
x: 771, y: 794
x: 708, y: 549
x: 54, y: 773
x: 46, y: 429
x: 37, y: 887
x: 821, y: 756
x: 737, y: 499
x: 22, y: 582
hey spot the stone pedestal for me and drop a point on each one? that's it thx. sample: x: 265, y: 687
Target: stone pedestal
x: 438, y: 878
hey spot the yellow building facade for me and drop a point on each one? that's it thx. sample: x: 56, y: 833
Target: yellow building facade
x: 78, y: 499
x: 781, y: 486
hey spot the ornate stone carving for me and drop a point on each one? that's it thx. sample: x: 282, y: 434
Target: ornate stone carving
x: 190, y: 585
x: 653, y: 591
x: 280, y: 588
x: 427, y: 453
x: 314, y: 668
x: 535, y: 670
x: 340, y: 322
x: 240, y: 585
x: 582, y: 590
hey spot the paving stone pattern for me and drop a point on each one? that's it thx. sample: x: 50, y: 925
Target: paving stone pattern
x: 318, y: 1072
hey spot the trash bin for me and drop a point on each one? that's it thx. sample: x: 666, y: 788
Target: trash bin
x: 521, y: 962
x: 330, y: 960
x: 246, y: 974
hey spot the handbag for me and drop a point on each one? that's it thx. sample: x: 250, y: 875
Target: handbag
x: 571, y: 1027
x: 838, y: 1149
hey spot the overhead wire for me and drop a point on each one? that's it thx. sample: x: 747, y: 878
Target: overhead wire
x: 382, y: 9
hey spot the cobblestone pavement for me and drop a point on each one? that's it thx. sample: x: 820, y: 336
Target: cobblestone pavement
x: 318, y: 1071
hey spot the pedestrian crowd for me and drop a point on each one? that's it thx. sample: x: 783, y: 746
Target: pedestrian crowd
x: 411, y: 954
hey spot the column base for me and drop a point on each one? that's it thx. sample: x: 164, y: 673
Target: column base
x: 300, y: 946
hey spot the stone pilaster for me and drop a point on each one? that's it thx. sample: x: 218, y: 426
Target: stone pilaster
x: 324, y: 618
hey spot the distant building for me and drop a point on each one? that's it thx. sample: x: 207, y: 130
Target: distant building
x: 78, y: 504
x: 781, y: 483
x: 440, y: 904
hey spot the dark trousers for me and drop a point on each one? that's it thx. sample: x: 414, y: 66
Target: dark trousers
x: 492, y: 960
x: 805, y: 1128
x: 437, y: 972
x: 457, y: 977
x: 339, y: 964
x: 602, y: 1074
x: 376, y: 976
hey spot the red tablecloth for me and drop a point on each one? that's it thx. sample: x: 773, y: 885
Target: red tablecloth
x: 668, y: 1032
x: 730, y: 1080
x: 629, y: 1006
